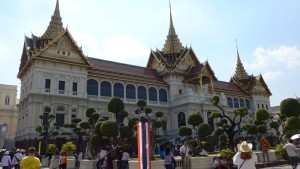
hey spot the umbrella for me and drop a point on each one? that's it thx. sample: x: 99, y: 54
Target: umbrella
x: 296, y: 136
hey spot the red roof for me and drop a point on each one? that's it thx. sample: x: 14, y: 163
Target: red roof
x: 124, y: 68
x: 227, y: 86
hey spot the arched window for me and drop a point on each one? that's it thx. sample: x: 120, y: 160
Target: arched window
x: 242, y: 103
x: 152, y: 94
x: 105, y: 89
x: 210, y: 121
x: 236, y: 103
x: 181, y: 119
x: 130, y: 91
x: 142, y: 93
x: 92, y: 87
x: 247, y: 104
x: 7, y: 100
x: 163, y: 95
x: 229, y: 102
x: 119, y: 90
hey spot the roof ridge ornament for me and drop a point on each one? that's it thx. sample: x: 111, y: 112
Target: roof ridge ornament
x: 55, y: 25
x: 172, y: 44
x: 240, y: 72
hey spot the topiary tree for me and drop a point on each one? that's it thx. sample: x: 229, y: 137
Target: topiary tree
x: 290, y: 107
x: 116, y: 106
x: 231, y: 125
x: 47, y: 128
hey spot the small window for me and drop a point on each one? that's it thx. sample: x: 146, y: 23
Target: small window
x: 69, y: 54
x: 73, y: 116
x: 7, y: 100
x: 60, y: 109
x: 74, y: 88
x: 47, y: 85
x: 57, y: 52
x: 267, y: 107
x: 258, y: 106
x: 61, y: 87
x: 180, y: 91
x: 64, y: 53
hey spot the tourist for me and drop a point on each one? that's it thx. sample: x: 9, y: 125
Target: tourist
x: 63, y: 160
x: 101, y: 157
x: 184, y: 153
x: 220, y: 164
x: 79, y: 158
x: 244, y: 158
x: 30, y: 161
x: 16, y: 159
x: 292, y: 153
x: 6, y: 161
x: 125, y: 159
x: 169, y: 158
x: 265, y: 148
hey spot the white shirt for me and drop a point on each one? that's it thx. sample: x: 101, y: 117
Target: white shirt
x: 248, y: 164
x: 80, y: 155
x: 291, y: 149
x: 125, y: 156
x: 102, y: 154
x: 19, y: 156
x: 6, y: 160
x: 185, y: 149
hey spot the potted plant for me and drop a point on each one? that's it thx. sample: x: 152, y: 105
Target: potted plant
x: 280, y: 152
x: 52, y: 148
x: 69, y: 148
x: 227, y: 155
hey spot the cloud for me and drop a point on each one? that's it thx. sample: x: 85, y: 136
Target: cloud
x: 114, y: 48
x: 281, y: 55
x: 122, y: 48
x: 272, y: 75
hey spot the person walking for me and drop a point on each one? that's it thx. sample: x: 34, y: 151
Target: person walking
x: 292, y: 153
x: 184, y: 153
x: 6, y: 161
x: 169, y: 157
x: 30, y: 161
x: 244, y: 158
x: 125, y: 159
x: 16, y: 159
x: 63, y: 160
x: 265, y: 149
x: 101, y: 158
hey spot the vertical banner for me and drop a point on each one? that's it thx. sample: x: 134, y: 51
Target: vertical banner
x: 144, y: 145
x: 40, y: 147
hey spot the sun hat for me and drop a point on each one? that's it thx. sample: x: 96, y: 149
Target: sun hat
x: 245, y: 147
x: 6, y: 153
x: 18, y: 150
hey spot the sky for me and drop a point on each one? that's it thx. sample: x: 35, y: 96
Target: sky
x: 267, y: 33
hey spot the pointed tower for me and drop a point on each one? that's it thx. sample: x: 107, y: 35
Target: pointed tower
x: 172, y: 44
x: 240, y: 72
x: 55, y: 25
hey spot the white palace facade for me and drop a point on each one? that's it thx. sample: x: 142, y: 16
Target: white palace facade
x: 55, y: 72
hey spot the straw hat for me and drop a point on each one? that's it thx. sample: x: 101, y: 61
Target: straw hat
x: 245, y: 147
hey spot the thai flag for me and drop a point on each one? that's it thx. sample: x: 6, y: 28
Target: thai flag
x: 144, y: 145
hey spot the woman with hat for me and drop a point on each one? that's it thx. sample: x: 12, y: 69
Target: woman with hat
x: 6, y: 161
x: 245, y: 159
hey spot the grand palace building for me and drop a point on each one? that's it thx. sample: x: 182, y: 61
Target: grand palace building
x: 55, y: 72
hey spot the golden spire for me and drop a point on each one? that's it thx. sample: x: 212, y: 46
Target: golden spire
x: 55, y: 25
x: 172, y: 44
x: 240, y: 72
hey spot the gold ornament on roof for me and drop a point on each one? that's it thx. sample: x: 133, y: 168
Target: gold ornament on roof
x: 172, y: 44
x: 55, y: 25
